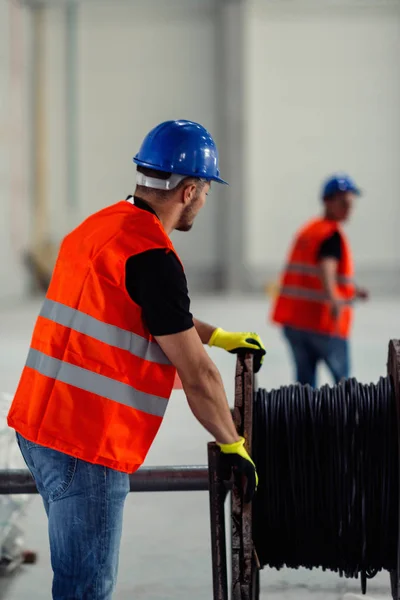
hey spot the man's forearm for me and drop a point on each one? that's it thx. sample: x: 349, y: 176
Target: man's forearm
x: 328, y: 277
x: 208, y: 402
x: 204, y: 330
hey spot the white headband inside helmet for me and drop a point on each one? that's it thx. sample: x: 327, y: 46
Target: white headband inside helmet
x: 159, y: 184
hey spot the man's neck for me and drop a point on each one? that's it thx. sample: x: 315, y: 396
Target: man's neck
x: 164, y: 214
x: 329, y: 217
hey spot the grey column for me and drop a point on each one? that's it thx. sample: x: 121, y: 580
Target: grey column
x: 71, y: 105
x: 230, y: 57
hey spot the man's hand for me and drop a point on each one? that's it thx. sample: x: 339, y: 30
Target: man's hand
x: 235, y: 342
x: 235, y: 458
x: 362, y: 294
x: 336, y: 306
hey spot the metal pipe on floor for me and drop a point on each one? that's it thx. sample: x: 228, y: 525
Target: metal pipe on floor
x: 147, y: 479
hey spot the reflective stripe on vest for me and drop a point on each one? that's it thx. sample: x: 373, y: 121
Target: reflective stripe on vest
x: 103, y: 332
x: 306, y: 294
x: 304, y: 269
x: 97, y: 384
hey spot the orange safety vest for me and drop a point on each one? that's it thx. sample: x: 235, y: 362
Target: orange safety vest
x: 96, y: 384
x: 302, y: 302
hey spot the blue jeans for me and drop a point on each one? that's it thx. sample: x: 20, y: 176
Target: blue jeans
x: 308, y: 349
x: 84, y: 504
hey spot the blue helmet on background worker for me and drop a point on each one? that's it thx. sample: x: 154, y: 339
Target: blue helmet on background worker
x: 182, y: 148
x: 339, y: 183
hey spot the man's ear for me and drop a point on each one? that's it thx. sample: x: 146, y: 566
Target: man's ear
x: 189, y: 192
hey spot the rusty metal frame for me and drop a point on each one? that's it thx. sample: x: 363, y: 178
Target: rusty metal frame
x: 393, y: 369
x: 245, y: 567
x: 245, y: 571
x: 245, y: 564
x: 217, y: 495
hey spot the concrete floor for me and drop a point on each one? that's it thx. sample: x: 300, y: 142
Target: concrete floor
x: 165, y: 553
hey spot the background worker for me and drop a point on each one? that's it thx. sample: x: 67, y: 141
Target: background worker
x: 314, y: 302
x: 114, y: 327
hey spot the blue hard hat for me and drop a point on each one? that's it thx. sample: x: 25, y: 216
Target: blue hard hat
x: 181, y: 147
x: 339, y: 183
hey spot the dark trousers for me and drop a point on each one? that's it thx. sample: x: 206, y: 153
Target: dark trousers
x: 308, y: 349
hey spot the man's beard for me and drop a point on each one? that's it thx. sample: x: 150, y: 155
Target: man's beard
x: 187, y: 217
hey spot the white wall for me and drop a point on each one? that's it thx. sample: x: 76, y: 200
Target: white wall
x: 323, y: 94
x: 322, y: 91
x: 139, y: 63
x: 14, y: 168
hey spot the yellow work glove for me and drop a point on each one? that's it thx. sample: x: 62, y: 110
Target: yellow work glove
x: 235, y: 342
x: 236, y: 459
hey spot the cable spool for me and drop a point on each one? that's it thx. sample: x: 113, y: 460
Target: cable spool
x: 327, y: 461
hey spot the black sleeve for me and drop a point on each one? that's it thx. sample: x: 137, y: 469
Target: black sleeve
x: 331, y: 247
x: 155, y: 280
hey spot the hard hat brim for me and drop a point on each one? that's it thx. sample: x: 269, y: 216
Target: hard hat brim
x: 147, y: 165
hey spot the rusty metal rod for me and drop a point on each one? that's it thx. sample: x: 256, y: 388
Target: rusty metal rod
x: 147, y: 479
x: 217, y: 522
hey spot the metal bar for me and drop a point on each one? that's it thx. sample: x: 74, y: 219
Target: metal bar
x: 147, y: 479
x: 236, y: 535
x: 244, y: 577
x: 393, y: 369
x: 247, y: 510
x: 394, y: 584
x: 217, y: 520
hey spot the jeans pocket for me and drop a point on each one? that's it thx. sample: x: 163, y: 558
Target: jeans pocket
x: 30, y: 445
x: 55, y: 469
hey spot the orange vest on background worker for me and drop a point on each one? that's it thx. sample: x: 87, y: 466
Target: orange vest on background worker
x: 302, y: 302
x: 96, y: 384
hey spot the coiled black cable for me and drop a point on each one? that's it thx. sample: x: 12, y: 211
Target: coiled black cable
x: 327, y: 461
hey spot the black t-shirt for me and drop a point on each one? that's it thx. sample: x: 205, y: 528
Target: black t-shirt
x: 155, y: 280
x: 331, y: 247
